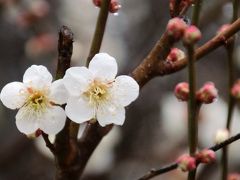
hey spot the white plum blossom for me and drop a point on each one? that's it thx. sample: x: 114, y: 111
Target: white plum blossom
x: 95, y: 93
x: 38, y: 100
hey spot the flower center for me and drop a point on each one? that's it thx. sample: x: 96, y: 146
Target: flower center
x: 37, y: 100
x: 97, y: 92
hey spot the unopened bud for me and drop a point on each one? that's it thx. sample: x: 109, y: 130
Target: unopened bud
x: 208, y: 93
x: 182, y: 91
x: 114, y: 7
x: 236, y: 90
x: 176, y: 28
x: 186, y: 163
x: 36, y: 134
x: 192, y: 35
x: 206, y: 156
x: 221, y: 135
x: 97, y: 3
x: 234, y: 176
x: 175, y: 55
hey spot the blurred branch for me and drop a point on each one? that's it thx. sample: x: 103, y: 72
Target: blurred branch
x: 173, y: 166
x: 230, y: 46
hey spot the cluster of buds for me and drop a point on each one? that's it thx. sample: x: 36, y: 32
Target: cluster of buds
x: 178, y: 29
x: 113, y: 7
x: 189, y: 163
x: 206, y: 156
x: 234, y: 176
x: 177, y: 8
x: 175, y: 55
x: 236, y: 90
x: 207, y: 94
x: 186, y: 163
x: 221, y: 135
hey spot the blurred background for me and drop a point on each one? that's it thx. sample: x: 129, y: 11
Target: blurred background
x: 154, y: 133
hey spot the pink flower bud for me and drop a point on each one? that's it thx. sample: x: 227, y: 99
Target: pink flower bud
x: 175, y: 55
x: 182, y: 91
x: 176, y: 28
x: 234, y: 176
x: 36, y: 134
x: 236, y: 90
x: 40, y: 8
x: 208, y: 93
x: 221, y: 135
x: 114, y: 6
x: 206, y: 156
x: 192, y: 35
x: 186, y: 163
x: 97, y: 3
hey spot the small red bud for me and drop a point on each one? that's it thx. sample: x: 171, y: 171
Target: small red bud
x: 207, y: 94
x: 97, y: 3
x: 192, y: 35
x: 114, y: 7
x: 236, y: 90
x: 36, y: 134
x: 175, y: 55
x: 176, y: 28
x: 182, y: 91
x: 206, y: 156
x: 186, y: 163
x: 234, y: 176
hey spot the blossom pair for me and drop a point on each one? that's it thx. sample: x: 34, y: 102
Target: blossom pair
x: 89, y: 93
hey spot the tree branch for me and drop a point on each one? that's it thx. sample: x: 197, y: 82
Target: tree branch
x: 173, y: 166
x: 165, y: 68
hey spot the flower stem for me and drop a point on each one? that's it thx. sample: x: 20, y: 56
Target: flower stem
x: 192, y: 108
x: 231, y: 102
x: 99, y: 31
x: 196, y: 12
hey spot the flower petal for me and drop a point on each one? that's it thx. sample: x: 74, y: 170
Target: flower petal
x: 125, y: 90
x: 37, y: 76
x: 13, y: 95
x: 110, y: 114
x: 53, y: 120
x: 26, y: 121
x: 77, y: 79
x: 58, y: 92
x: 103, y: 66
x: 79, y: 110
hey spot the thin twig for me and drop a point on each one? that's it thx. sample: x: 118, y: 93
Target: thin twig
x: 196, y: 12
x: 50, y: 146
x: 99, y: 31
x: 173, y: 166
x: 231, y: 102
x: 192, y: 114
